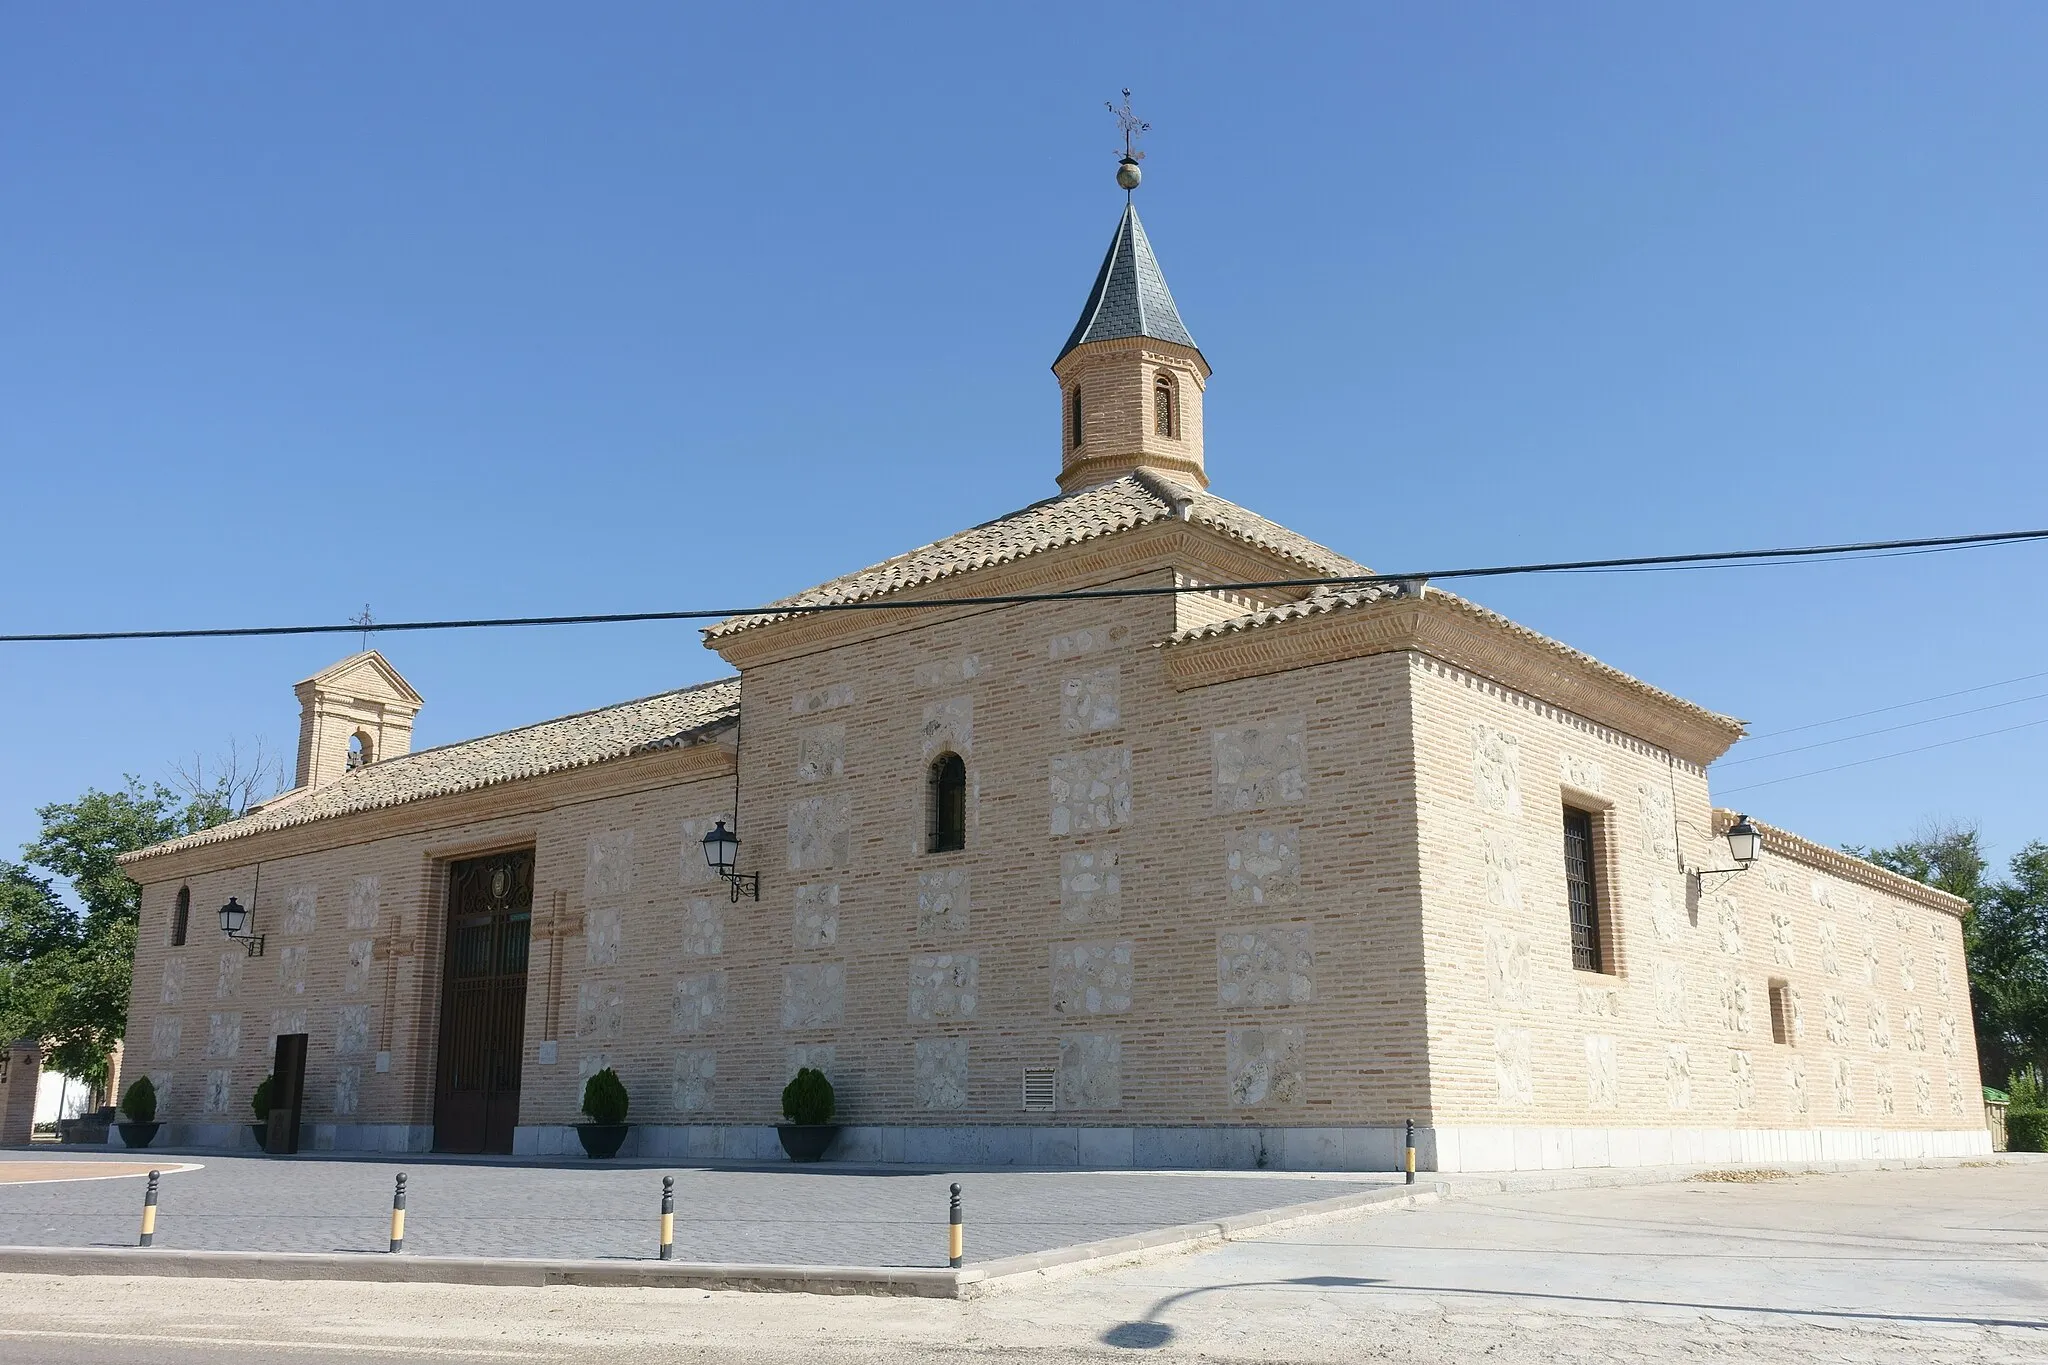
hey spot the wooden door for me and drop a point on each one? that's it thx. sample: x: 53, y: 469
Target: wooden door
x: 483, y: 1003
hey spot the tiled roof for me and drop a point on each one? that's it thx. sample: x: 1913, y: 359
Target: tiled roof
x: 1322, y: 601
x: 1121, y: 505
x: 669, y: 720
x: 1130, y: 297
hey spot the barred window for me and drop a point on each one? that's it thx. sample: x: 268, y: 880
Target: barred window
x: 1582, y: 890
x: 948, y: 805
x: 181, y: 917
x: 1163, y: 416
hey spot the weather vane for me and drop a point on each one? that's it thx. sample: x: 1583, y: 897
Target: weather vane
x: 363, y: 623
x: 1132, y: 127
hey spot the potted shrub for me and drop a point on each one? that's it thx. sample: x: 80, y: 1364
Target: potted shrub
x: 139, y: 1104
x: 807, y: 1103
x: 605, y: 1104
x: 2026, y: 1116
x: 260, y: 1102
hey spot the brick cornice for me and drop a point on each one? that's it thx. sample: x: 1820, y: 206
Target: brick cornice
x: 502, y: 801
x: 1453, y: 630
x: 1850, y: 868
x: 1165, y: 545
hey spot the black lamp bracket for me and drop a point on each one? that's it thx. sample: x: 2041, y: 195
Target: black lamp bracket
x: 744, y: 884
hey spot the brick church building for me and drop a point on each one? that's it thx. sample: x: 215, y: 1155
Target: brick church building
x: 1209, y: 877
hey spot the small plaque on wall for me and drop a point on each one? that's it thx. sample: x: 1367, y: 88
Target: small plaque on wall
x: 383, y: 1061
x: 548, y: 1052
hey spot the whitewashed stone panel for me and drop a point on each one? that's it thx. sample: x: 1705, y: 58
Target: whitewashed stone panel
x: 1265, y: 964
x: 361, y: 955
x: 365, y: 897
x: 1091, y: 887
x: 813, y: 995
x: 171, y: 987
x: 1264, y: 866
x: 601, y: 932
x: 948, y: 727
x: 703, y: 928
x: 1266, y: 1067
x: 1091, y: 1071
x: 1091, y: 790
x: 608, y: 866
x: 1260, y: 765
x: 821, y: 752
x: 1089, y: 701
x: 939, y: 1077
x: 942, y: 900
x: 352, y: 1030
x: 944, y: 986
x: 697, y: 1003
x: 1091, y: 978
x: 693, y: 1080
x: 1514, y: 1066
x: 816, y: 923
x: 820, y: 832
x: 224, y: 1034
x: 301, y: 909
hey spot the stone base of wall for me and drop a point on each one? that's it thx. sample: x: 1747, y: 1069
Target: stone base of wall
x: 313, y: 1137
x: 1459, y: 1148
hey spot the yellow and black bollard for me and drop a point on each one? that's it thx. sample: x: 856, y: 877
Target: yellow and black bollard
x: 955, y: 1241
x: 398, y: 1215
x: 668, y: 1218
x: 1411, y: 1153
x: 149, y: 1211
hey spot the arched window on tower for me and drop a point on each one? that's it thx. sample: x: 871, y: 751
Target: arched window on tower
x: 1074, y: 419
x: 360, y: 753
x: 181, y: 917
x: 1164, y: 421
x: 948, y: 805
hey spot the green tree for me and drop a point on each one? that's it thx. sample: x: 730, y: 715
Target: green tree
x: 64, y: 970
x: 2005, y: 936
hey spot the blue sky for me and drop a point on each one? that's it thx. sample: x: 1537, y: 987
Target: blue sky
x: 523, y: 309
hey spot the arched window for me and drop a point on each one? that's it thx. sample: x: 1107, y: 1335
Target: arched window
x: 948, y: 805
x: 1163, y: 415
x: 181, y: 917
x: 359, y: 751
x: 1074, y: 419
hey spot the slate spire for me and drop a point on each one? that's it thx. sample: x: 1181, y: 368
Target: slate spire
x: 1130, y: 297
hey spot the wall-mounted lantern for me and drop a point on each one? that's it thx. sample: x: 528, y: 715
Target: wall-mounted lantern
x: 1745, y: 846
x: 721, y: 853
x: 234, y: 922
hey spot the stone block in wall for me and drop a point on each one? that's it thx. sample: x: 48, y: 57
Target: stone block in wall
x: 601, y: 932
x: 820, y: 832
x: 1603, y: 1072
x: 1887, y: 1101
x: 348, y: 1089
x: 1667, y: 989
x: 600, y: 1011
x: 1656, y: 826
x: 1264, y: 866
x: 352, y: 1031
x: 224, y: 1034
x: 1509, y: 975
x: 1091, y: 1071
x: 703, y: 928
x: 815, y: 923
x: 1735, y: 1013
x: 948, y: 727
x: 1728, y: 920
x: 1089, y: 640
x: 1923, y: 1092
x: 365, y: 895
x: 171, y: 987
x: 1582, y: 774
x: 227, y: 982
x: 608, y: 866
x: 1844, y: 1086
x: 1089, y: 701
x: 1677, y: 1076
x: 693, y: 1079
x: 1091, y: 790
x: 1266, y: 964
x: 1741, y: 1080
x: 818, y: 1056
x: 821, y: 752
x: 1782, y: 951
x: 1795, y: 1085
x: 947, y: 672
x: 944, y: 986
x: 1502, y: 860
x: 291, y: 971
x: 942, y: 900
x: 219, y: 1096
x: 1496, y: 770
x: 1836, y: 1012
x: 1265, y: 1067
x: 939, y: 1074
x: 301, y: 909
x: 282, y: 1022
x: 361, y: 955
x: 1880, y: 1027
x: 1091, y: 887
x: 1916, y: 1035
x: 697, y: 1003
x: 1830, y: 953
x: 821, y: 699
x: 1259, y: 765
x: 1666, y: 919
x: 813, y: 995
x: 1091, y: 978
x: 166, y: 1033
x: 693, y: 869
x: 1513, y: 1066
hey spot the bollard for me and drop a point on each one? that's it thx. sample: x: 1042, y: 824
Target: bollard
x: 954, y: 1240
x: 149, y: 1211
x: 398, y: 1215
x: 1411, y: 1153
x: 668, y: 1218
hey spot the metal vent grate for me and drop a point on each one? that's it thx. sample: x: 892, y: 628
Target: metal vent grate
x: 1038, y: 1090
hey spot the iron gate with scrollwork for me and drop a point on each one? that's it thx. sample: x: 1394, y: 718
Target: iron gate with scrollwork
x: 483, y: 1003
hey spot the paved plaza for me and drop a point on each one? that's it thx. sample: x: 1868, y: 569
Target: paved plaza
x: 1935, y: 1267
x: 820, y: 1215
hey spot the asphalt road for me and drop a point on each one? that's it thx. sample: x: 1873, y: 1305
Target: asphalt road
x: 1931, y: 1267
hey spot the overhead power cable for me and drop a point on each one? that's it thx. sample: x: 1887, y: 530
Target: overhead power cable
x: 1896, y: 706
x: 1882, y: 730
x: 1710, y: 559
x: 1939, y: 744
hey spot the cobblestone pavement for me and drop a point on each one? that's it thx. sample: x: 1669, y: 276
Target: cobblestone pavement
x: 1930, y: 1267
x: 817, y: 1215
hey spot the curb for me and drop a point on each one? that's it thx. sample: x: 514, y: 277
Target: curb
x: 1484, y: 1183
x: 900, y: 1281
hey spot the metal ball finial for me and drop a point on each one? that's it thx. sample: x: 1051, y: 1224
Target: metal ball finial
x: 1128, y: 175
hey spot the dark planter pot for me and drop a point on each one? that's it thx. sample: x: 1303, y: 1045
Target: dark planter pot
x: 602, y: 1139
x: 807, y: 1141
x: 262, y: 1132
x: 138, y: 1134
